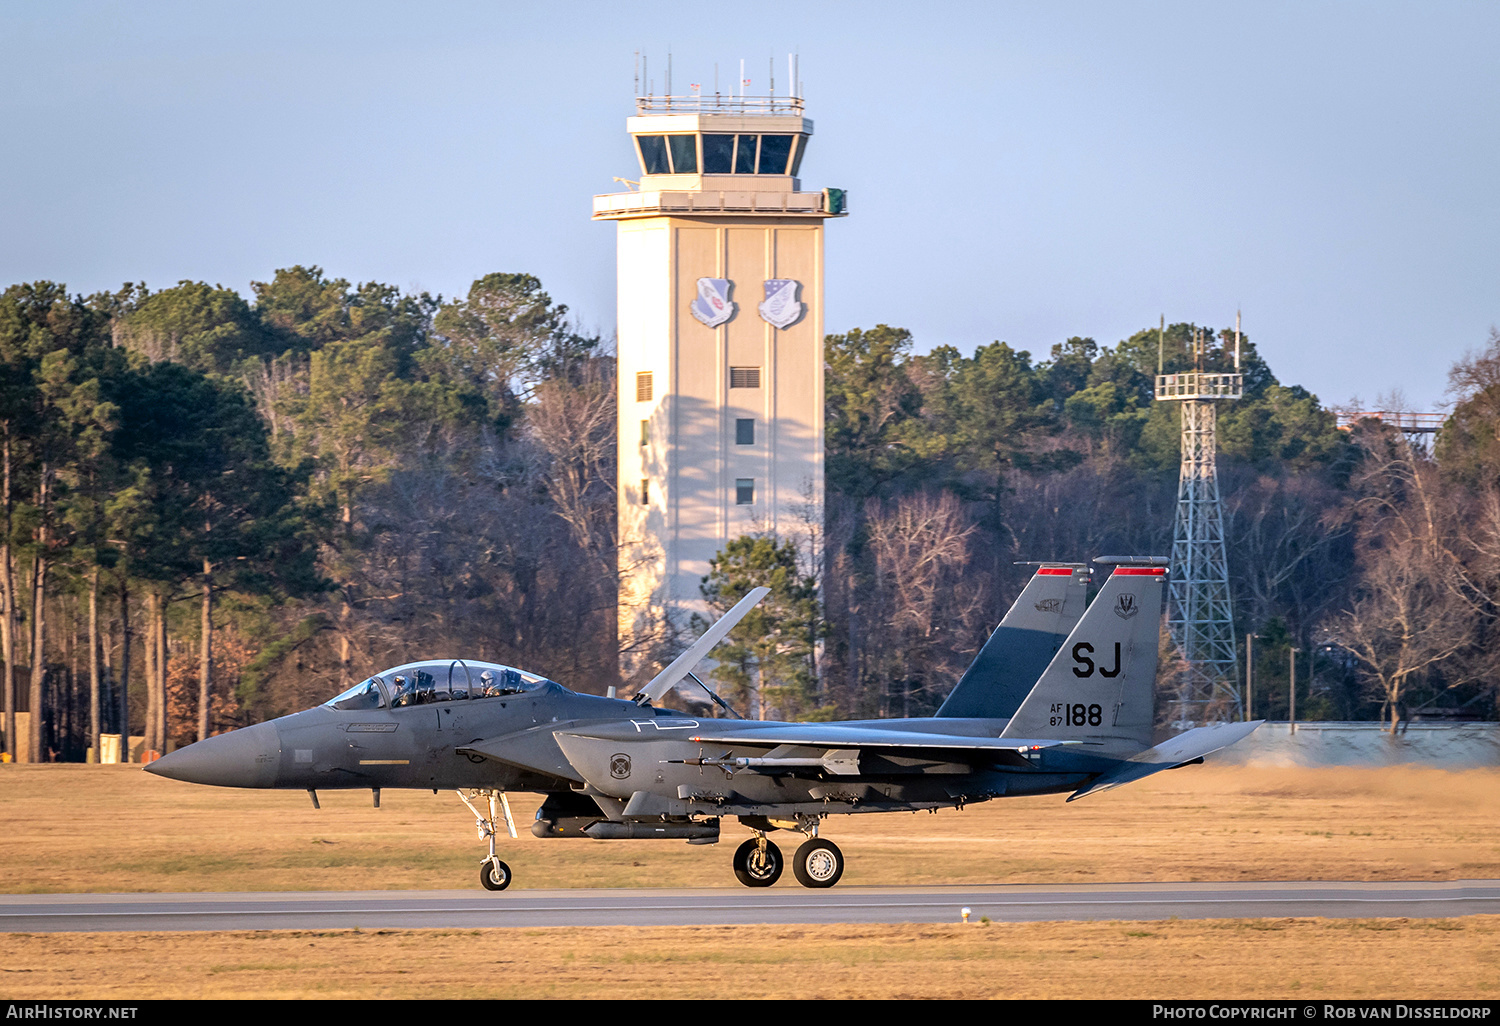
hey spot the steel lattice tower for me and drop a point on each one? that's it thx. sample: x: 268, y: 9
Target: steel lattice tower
x: 1200, y: 619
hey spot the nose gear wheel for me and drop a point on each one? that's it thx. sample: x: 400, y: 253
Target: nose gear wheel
x: 494, y: 874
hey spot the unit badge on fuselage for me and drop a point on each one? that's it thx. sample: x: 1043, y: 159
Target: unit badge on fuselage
x: 712, y: 307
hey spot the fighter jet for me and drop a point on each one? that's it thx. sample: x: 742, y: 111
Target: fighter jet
x: 1060, y: 699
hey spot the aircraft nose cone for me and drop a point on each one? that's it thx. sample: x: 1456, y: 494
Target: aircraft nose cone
x: 247, y: 757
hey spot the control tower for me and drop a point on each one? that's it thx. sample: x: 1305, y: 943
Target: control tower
x: 720, y: 344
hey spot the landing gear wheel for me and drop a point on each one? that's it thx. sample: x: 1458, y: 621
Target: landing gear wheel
x: 818, y: 863
x: 756, y: 866
x: 494, y: 874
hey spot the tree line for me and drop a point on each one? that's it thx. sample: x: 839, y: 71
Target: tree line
x: 218, y: 509
x: 1372, y: 560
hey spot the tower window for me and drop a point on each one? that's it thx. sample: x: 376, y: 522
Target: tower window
x: 744, y: 491
x: 643, y: 387
x: 654, y: 154
x: 744, y: 377
x: 645, y: 491
x: 684, y: 153
x: 718, y: 154
x: 744, y: 431
x: 774, y: 151
x: 744, y: 149
x: 645, y: 433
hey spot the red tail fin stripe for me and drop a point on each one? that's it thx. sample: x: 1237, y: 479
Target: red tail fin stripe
x: 1054, y: 571
x: 1142, y: 571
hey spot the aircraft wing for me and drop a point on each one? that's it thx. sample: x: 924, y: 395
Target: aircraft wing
x: 820, y: 735
x: 1189, y: 746
x: 831, y: 747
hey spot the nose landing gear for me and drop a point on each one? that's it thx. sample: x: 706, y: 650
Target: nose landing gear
x: 493, y: 874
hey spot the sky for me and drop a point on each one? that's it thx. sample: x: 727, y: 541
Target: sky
x: 1020, y: 172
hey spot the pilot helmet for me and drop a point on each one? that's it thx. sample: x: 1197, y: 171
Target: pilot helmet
x: 487, y: 676
x: 400, y: 681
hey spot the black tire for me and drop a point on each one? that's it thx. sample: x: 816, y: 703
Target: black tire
x: 818, y: 863
x: 754, y: 869
x: 494, y: 875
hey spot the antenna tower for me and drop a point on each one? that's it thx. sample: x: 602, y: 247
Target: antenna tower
x: 1200, y: 620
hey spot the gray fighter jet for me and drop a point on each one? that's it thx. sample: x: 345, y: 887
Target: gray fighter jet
x: 1059, y: 700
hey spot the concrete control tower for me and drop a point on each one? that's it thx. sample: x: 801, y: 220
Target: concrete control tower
x: 720, y: 342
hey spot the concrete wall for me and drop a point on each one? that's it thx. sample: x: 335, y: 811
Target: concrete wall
x: 1449, y: 745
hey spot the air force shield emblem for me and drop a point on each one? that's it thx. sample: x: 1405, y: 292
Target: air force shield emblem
x: 781, y: 307
x: 712, y: 307
x: 1125, y: 607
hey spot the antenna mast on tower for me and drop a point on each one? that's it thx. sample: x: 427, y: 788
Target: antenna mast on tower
x: 1200, y: 620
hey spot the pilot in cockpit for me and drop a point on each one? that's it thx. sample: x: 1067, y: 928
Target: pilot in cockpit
x: 403, y: 693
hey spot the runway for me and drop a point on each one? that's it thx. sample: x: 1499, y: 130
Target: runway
x: 323, y: 910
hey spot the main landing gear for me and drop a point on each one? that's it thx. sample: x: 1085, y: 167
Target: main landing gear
x: 493, y: 874
x: 816, y: 863
x: 758, y: 862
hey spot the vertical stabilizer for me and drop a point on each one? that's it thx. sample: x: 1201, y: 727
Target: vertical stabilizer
x: 1100, y: 688
x: 1008, y: 666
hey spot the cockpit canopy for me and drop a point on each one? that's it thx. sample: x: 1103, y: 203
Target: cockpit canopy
x: 443, y: 680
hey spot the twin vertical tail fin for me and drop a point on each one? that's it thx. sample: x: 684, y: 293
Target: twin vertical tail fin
x: 1031, y: 633
x: 1100, y: 688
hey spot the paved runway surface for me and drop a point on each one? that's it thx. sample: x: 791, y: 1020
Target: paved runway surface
x: 35, y: 913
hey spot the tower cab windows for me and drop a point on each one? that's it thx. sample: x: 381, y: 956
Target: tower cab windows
x: 720, y: 154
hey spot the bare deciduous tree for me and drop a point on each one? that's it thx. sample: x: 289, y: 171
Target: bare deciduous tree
x: 921, y: 544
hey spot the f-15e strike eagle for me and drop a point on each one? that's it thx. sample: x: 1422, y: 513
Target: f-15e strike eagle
x: 1059, y: 699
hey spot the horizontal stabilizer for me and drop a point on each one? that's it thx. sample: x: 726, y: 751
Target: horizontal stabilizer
x: 1184, y: 748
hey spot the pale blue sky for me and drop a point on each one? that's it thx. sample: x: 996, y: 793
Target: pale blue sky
x: 1023, y: 172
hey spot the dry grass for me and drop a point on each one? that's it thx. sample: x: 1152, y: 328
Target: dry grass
x: 108, y: 828
x: 1299, y: 959
x: 77, y: 828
